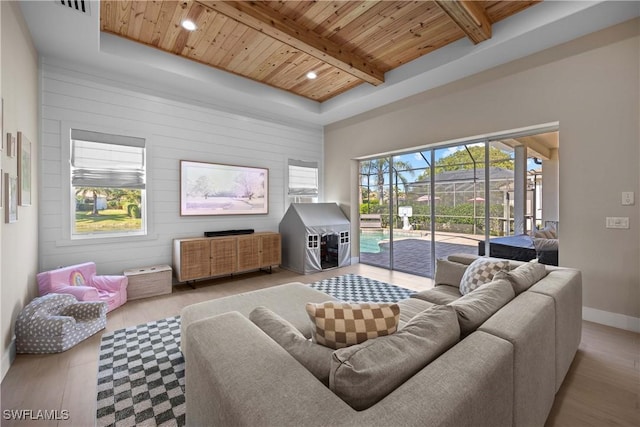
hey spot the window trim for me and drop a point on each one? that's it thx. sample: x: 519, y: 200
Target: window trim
x: 67, y: 202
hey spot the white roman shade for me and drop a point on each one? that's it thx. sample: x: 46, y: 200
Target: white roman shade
x: 104, y: 160
x: 303, y: 178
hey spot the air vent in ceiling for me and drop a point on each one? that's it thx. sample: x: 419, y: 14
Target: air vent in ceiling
x: 81, y: 6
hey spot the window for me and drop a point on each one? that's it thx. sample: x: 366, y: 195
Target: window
x: 303, y: 181
x: 313, y: 241
x: 108, y: 176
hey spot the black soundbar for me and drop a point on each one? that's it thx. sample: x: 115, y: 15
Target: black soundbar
x: 227, y: 232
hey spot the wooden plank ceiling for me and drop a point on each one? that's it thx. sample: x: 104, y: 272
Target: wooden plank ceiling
x: 346, y: 43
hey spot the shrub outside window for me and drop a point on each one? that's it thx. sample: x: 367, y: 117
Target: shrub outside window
x: 108, y: 175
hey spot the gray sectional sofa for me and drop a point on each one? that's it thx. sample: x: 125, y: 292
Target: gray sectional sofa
x: 504, y: 371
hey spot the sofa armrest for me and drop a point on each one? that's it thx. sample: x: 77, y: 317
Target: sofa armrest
x: 110, y: 283
x: 54, y: 325
x: 86, y: 310
x: 236, y: 375
x: 82, y: 293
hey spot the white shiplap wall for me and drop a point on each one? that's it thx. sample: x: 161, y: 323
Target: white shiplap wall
x: 174, y: 130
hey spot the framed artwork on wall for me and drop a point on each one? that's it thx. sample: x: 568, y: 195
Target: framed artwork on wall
x: 219, y: 189
x: 10, y: 198
x: 12, y: 145
x: 24, y: 170
x: 1, y: 124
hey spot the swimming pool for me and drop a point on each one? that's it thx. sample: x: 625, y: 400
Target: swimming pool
x: 370, y: 240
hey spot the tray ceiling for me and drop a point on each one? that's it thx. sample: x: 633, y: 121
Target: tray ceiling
x: 346, y: 43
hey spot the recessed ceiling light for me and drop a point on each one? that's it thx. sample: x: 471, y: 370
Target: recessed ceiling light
x: 311, y: 75
x: 187, y: 24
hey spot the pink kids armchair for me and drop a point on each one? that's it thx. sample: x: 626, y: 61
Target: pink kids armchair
x: 82, y: 282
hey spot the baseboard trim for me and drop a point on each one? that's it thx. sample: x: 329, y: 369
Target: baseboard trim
x: 8, y: 357
x: 615, y: 320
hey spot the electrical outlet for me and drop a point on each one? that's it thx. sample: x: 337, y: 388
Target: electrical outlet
x: 627, y: 198
x: 617, y: 222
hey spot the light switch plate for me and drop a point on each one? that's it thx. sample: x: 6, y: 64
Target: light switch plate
x: 617, y: 222
x: 627, y: 198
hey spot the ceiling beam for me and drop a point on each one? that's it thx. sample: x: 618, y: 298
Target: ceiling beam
x: 269, y: 22
x: 470, y: 16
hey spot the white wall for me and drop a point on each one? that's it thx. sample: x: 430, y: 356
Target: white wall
x: 175, y: 130
x: 591, y: 87
x: 19, y: 251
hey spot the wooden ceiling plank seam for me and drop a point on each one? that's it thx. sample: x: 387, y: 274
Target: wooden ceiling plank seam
x: 163, y: 22
x: 280, y: 72
x: 326, y: 78
x: 499, y: 10
x: 181, y: 45
x: 350, y: 11
x: 213, y: 53
x: 294, y: 70
x: 402, y: 52
x: 243, y: 36
x: 229, y: 41
x: 470, y: 17
x: 338, y: 91
x: 355, y: 37
x: 180, y: 13
x: 108, y: 16
x: 274, y: 60
x: 401, y: 27
x: 209, y: 33
x: 151, y: 15
x: 439, y: 33
x: 255, y: 55
x: 404, y: 26
x: 292, y: 9
x: 317, y: 13
x: 122, y: 20
x: 137, y: 19
x: 298, y: 37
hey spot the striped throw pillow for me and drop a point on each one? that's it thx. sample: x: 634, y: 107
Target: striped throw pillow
x: 339, y: 324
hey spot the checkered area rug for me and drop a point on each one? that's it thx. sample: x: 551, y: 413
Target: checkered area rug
x: 141, y: 376
x: 141, y: 368
x: 354, y: 288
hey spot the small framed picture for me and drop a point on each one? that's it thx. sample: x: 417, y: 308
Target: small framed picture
x: 12, y: 145
x: 24, y: 170
x: 1, y: 125
x: 10, y: 198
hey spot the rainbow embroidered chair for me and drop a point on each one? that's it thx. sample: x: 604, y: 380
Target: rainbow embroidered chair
x: 82, y: 282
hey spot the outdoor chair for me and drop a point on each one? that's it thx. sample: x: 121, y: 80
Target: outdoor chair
x: 82, y: 282
x: 56, y: 322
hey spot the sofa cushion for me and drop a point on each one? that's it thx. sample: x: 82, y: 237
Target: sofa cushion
x: 523, y: 276
x: 441, y: 294
x: 481, y: 271
x: 363, y: 374
x: 474, y: 308
x: 409, y: 307
x: 340, y: 324
x: 315, y: 357
x: 449, y: 272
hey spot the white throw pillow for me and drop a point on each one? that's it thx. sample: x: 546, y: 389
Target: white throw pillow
x: 481, y: 271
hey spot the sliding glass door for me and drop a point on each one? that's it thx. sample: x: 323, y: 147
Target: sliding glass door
x: 422, y: 205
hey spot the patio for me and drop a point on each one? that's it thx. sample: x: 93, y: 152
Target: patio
x: 413, y: 254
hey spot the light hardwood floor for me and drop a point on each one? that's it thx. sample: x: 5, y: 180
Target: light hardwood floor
x: 602, y: 387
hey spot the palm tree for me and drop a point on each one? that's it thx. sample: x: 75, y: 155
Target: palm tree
x: 380, y: 168
x: 95, y: 192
